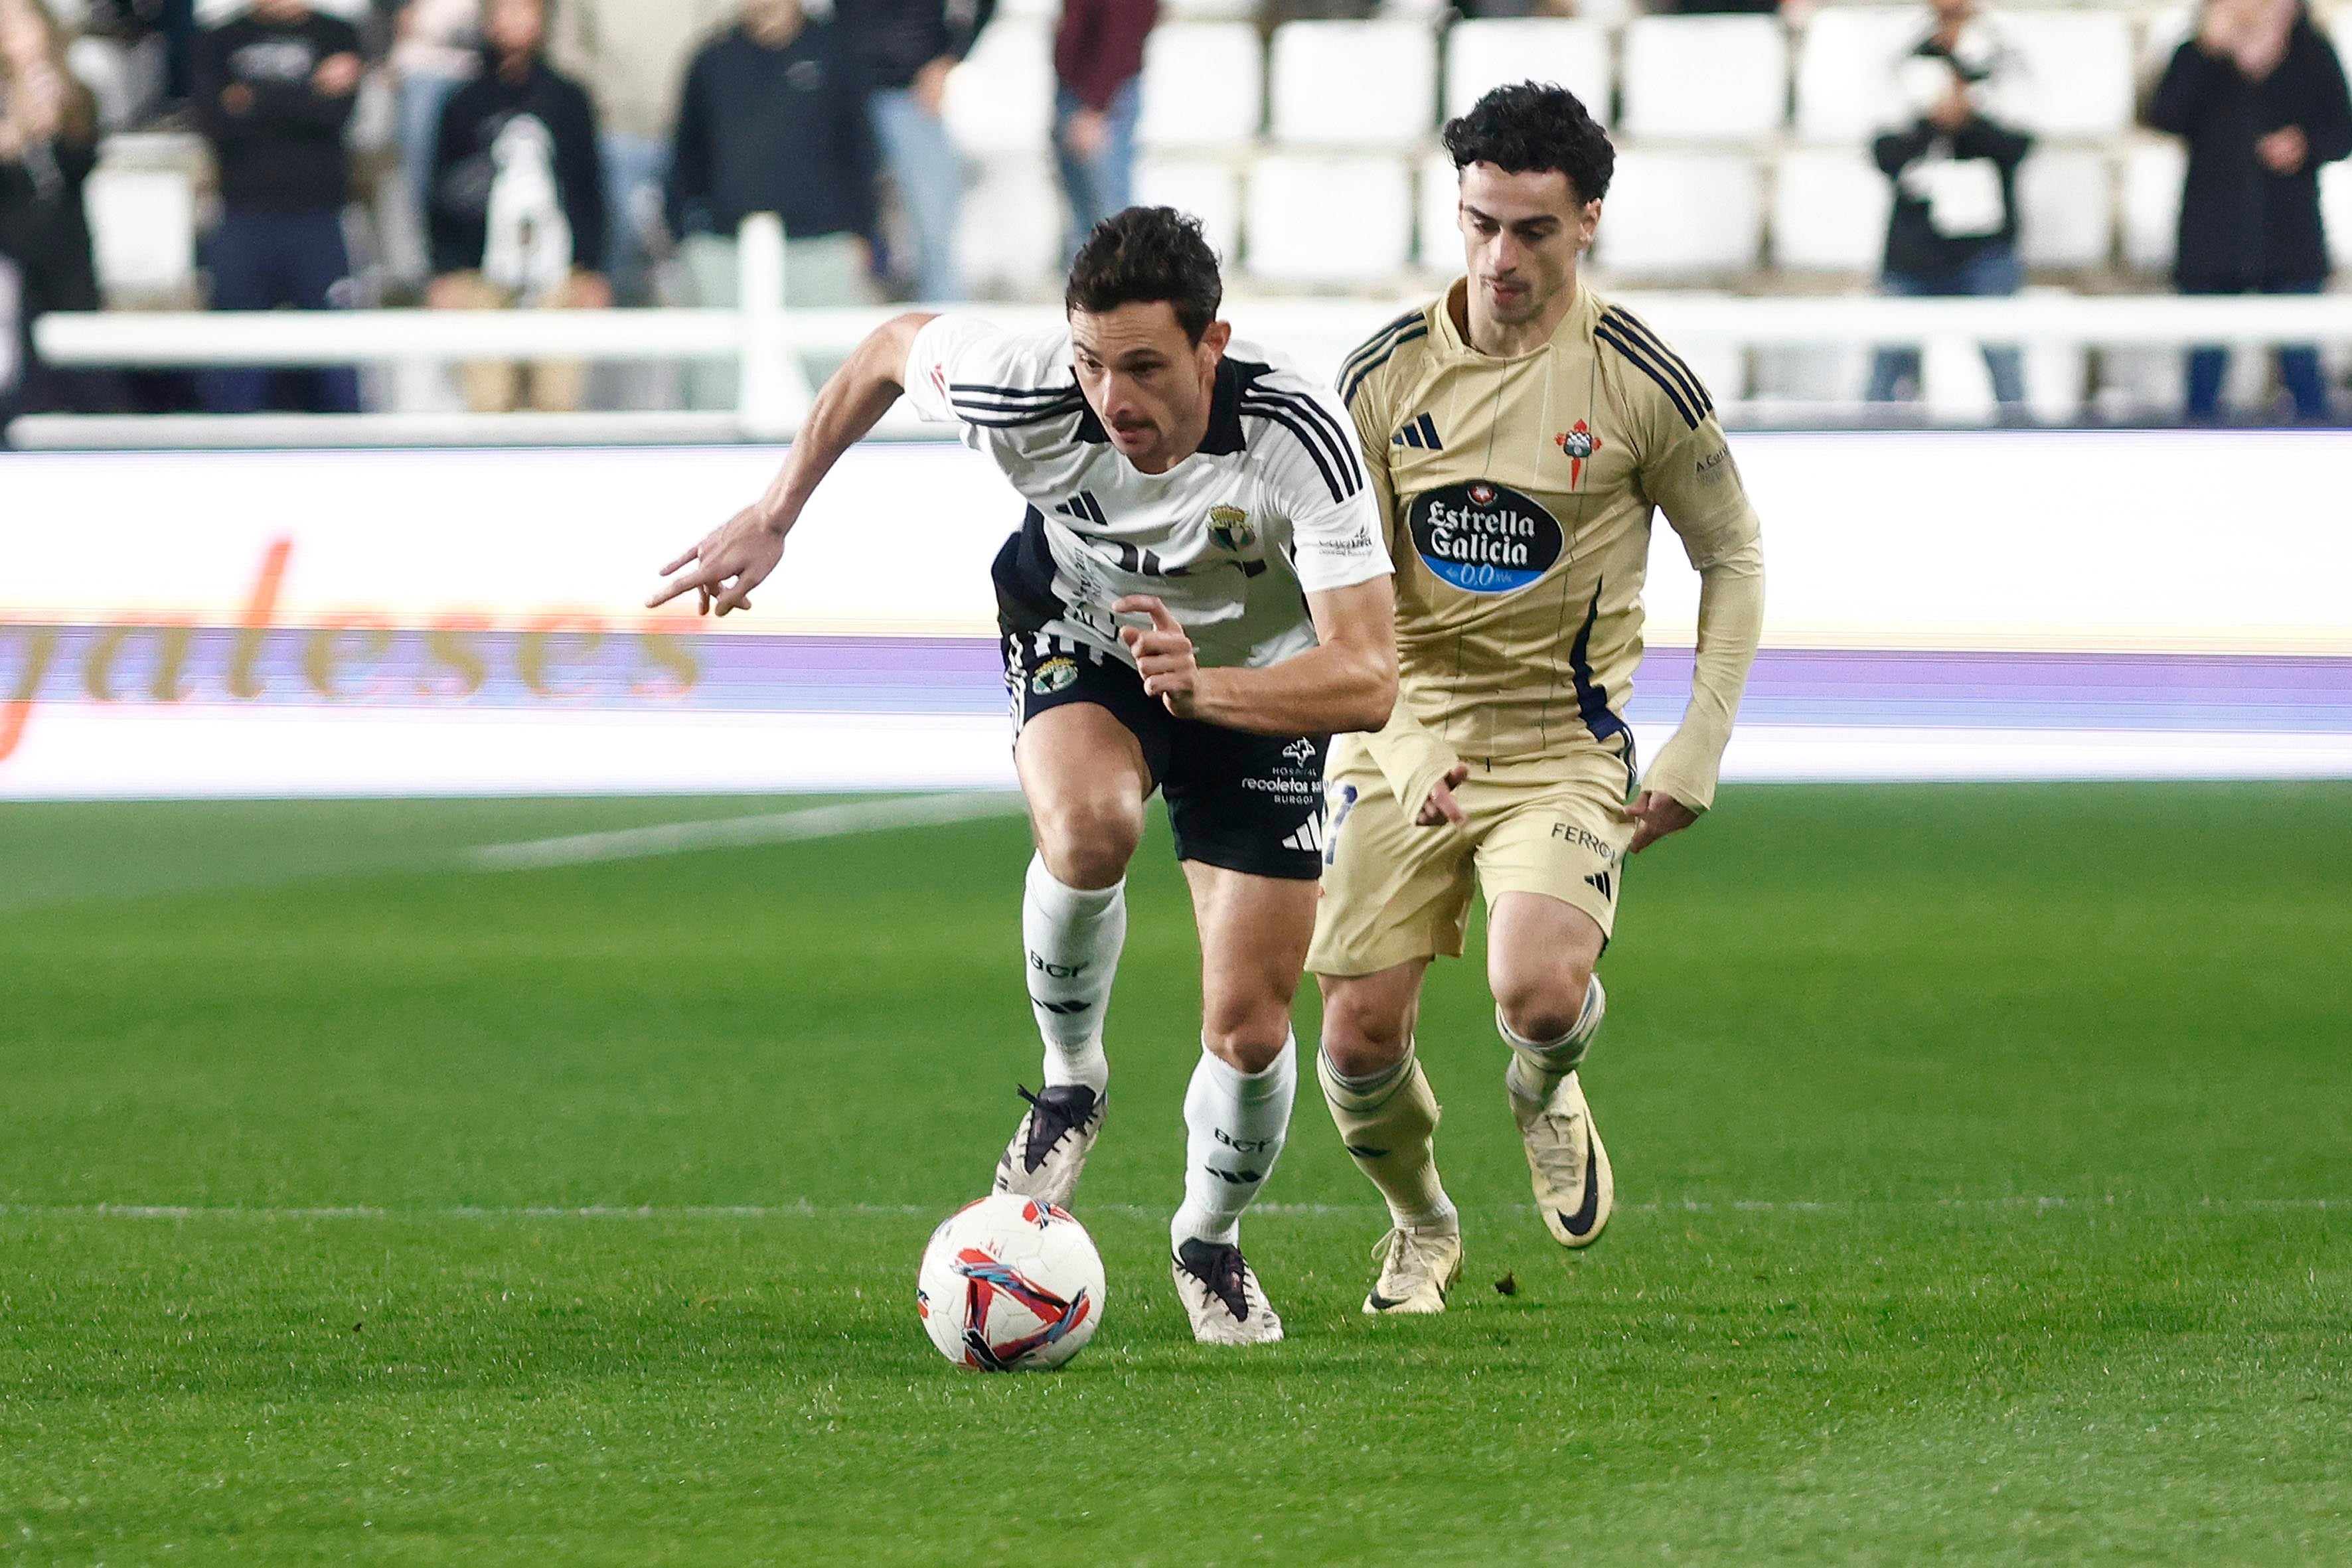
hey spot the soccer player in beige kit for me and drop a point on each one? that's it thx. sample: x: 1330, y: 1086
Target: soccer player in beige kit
x: 1520, y: 432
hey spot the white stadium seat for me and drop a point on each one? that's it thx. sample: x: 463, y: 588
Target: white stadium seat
x: 1829, y: 211
x: 143, y: 226
x: 1000, y: 100
x: 1203, y: 85
x: 2065, y: 208
x: 1483, y: 55
x: 1439, y: 207
x: 1681, y: 214
x: 1172, y: 11
x: 1207, y: 188
x: 1008, y: 236
x: 1363, y: 85
x: 1329, y: 219
x: 2081, y: 63
x: 1717, y: 79
x: 2151, y: 197
x: 1845, y: 66
x: 2336, y: 211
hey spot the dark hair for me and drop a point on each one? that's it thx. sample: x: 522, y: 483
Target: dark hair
x: 1535, y: 125
x: 1145, y: 254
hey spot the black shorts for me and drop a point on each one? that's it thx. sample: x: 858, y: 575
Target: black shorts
x: 1246, y: 802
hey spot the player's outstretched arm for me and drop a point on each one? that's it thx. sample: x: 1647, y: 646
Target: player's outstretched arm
x: 1348, y: 682
x: 735, y: 558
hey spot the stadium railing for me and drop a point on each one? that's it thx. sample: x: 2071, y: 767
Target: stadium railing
x: 769, y: 344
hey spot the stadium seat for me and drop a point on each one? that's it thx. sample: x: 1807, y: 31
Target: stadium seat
x: 2065, y: 208
x: 1362, y: 86
x: 1009, y: 238
x: 1207, y: 188
x: 1722, y: 78
x: 1329, y: 219
x: 1829, y: 212
x: 1439, y: 244
x: 2152, y: 173
x: 1675, y: 213
x: 1203, y: 85
x: 1485, y: 54
x: 2057, y: 375
x: 1000, y: 100
x: 1844, y: 65
x: 143, y: 224
x: 1175, y: 11
x: 2336, y: 211
x: 2081, y: 63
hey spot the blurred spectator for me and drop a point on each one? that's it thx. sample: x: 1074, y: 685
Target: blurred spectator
x: 1952, y: 146
x: 632, y: 56
x: 2259, y: 95
x: 773, y: 120
x: 908, y: 48
x: 274, y: 90
x: 1097, y: 61
x: 519, y: 203
x: 49, y: 140
x: 435, y: 48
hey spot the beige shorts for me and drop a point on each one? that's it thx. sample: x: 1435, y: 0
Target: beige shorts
x: 1393, y: 891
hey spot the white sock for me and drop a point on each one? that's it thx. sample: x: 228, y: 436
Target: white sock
x: 1234, y: 1124
x: 1072, y: 936
x: 1538, y: 1066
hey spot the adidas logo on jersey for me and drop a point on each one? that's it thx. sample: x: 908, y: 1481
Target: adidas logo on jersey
x: 1422, y: 433
x: 1599, y: 882
x: 1310, y: 837
x: 1085, y: 507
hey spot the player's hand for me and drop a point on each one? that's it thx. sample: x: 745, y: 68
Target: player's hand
x: 731, y: 562
x: 1162, y: 653
x: 1441, y: 808
x: 1654, y: 813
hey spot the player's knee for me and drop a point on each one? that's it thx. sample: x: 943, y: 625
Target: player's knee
x: 1360, y: 1035
x: 1088, y: 840
x: 1546, y: 1005
x: 1247, y: 1036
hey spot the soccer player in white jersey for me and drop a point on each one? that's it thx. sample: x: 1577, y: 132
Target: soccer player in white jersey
x: 1198, y: 597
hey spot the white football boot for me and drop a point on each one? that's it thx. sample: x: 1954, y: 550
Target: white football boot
x: 1419, y: 1264
x: 1221, y: 1292
x: 1574, y: 1191
x: 1048, y: 1151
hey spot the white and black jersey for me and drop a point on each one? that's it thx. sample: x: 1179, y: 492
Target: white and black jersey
x: 1275, y: 504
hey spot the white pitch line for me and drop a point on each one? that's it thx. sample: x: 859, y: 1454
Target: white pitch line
x: 769, y: 828
x: 806, y: 1210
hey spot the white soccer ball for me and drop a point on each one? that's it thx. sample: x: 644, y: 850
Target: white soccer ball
x: 1010, y: 1284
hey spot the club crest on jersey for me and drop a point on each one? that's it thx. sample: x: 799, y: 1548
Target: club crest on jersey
x: 1054, y: 675
x: 1230, y: 527
x: 1580, y: 443
x: 1484, y: 538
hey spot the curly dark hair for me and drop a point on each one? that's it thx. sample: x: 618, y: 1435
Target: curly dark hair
x: 1144, y: 254
x: 1535, y: 125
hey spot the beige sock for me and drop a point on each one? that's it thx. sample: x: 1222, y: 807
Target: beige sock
x: 1388, y: 1123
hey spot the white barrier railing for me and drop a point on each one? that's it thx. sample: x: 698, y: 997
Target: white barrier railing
x: 767, y: 342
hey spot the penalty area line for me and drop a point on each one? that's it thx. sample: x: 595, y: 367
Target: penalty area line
x: 730, y: 832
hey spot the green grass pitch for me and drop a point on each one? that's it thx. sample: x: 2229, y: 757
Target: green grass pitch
x: 1984, y: 1161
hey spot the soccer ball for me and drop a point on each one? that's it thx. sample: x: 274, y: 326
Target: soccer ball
x: 1010, y: 1284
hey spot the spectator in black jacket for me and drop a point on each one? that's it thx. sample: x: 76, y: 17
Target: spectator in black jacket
x: 2260, y: 97
x: 908, y: 48
x: 773, y: 120
x: 517, y: 212
x: 274, y: 91
x: 1953, y: 142
x: 48, y: 144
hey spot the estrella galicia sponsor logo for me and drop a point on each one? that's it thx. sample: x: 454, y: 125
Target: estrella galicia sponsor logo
x: 1054, y: 675
x: 1484, y: 538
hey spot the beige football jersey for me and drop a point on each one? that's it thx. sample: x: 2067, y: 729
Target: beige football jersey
x: 1518, y: 494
